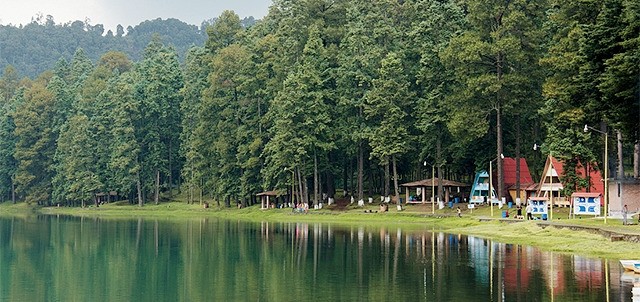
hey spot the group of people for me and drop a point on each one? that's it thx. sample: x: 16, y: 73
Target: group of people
x: 528, y: 211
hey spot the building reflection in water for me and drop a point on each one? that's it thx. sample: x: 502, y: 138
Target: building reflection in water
x: 445, y: 262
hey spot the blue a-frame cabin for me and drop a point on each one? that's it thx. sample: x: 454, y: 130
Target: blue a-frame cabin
x: 480, y: 189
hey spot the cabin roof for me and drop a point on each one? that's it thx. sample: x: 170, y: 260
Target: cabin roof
x: 428, y: 182
x: 269, y: 193
x: 509, y: 169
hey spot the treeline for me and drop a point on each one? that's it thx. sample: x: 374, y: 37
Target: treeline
x: 357, y: 94
x: 37, y: 46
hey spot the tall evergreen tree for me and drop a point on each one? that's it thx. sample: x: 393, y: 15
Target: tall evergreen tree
x: 35, y: 144
x: 493, y: 59
x: 158, y: 85
x: 385, y: 105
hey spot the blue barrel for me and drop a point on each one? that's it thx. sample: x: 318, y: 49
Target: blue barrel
x: 510, y: 204
x: 505, y: 214
x: 451, y: 204
x: 544, y: 216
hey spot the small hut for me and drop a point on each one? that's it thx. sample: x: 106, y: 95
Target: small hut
x: 268, y: 199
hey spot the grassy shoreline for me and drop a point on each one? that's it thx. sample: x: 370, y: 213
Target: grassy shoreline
x: 413, y: 218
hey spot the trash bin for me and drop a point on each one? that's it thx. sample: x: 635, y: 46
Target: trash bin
x: 505, y: 214
x: 450, y: 204
x: 544, y: 216
x: 510, y: 204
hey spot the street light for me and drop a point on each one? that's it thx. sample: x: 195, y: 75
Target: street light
x: 491, y: 181
x: 293, y: 184
x: 433, y: 187
x: 535, y: 148
x: 606, y: 168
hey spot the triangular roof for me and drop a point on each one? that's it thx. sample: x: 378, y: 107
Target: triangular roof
x: 509, y: 172
x: 555, y: 168
x: 427, y: 183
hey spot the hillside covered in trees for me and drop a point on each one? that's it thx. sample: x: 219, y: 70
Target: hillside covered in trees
x: 356, y: 94
x: 36, y: 47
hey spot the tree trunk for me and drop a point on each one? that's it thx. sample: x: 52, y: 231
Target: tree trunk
x: 439, y: 165
x: 344, y: 178
x: 636, y: 160
x: 499, y: 150
x: 331, y: 187
x: 386, y: 178
x: 620, y: 163
x: 156, y: 197
x: 170, y: 171
x: 395, y: 179
x: 300, y: 186
x: 13, y: 191
x: 316, y: 188
x: 360, y: 171
x: 190, y: 201
x: 139, y: 187
x: 518, y: 159
x: 499, y: 62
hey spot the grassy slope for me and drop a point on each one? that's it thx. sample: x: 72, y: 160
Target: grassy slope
x: 414, y: 217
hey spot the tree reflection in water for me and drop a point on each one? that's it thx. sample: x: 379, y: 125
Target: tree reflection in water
x: 61, y: 258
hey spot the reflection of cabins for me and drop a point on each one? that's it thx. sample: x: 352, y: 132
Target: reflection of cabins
x: 588, y: 273
x: 517, y: 275
x: 527, y: 186
x: 450, y: 187
x: 551, y: 184
x: 268, y: 199
x: 480, y: 188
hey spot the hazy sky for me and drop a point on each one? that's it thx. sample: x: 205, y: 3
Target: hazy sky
x: 110, y: 13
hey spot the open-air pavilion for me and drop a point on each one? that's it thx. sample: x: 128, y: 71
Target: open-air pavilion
x: 267, y: 198
x: 421, y: 187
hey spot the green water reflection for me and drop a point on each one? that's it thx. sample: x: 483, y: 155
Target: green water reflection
x: 50, y: 258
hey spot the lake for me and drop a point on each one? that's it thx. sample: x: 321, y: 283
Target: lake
x: 59, y: 258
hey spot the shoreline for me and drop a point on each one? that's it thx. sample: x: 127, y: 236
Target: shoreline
x: 585, y: 237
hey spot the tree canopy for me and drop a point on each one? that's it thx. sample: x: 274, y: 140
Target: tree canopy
x: 353, y: 94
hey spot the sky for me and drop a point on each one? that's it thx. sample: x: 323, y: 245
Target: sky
x: 110, y: 13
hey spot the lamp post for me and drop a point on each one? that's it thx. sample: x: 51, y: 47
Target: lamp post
x: 293, y: 183
x: 433, y: 186
x: 606, y: 169
x: 490, y: 194
x: 535, y: 148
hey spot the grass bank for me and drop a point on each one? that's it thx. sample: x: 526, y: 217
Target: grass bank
x: 412, y: 218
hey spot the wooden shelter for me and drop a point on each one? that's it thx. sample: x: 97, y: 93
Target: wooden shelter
x: 421, y: 187
x: 266, y: 198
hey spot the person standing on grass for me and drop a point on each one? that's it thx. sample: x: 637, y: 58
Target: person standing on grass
x: 459, y: 212
x: 625, y: 211
x: 529, y: 210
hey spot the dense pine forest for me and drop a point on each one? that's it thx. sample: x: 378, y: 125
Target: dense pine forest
x: 354, y: 95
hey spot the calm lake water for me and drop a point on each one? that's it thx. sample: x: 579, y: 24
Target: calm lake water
x: 50, y: 258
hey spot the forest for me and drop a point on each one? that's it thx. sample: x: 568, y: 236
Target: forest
x: 324, y: 95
